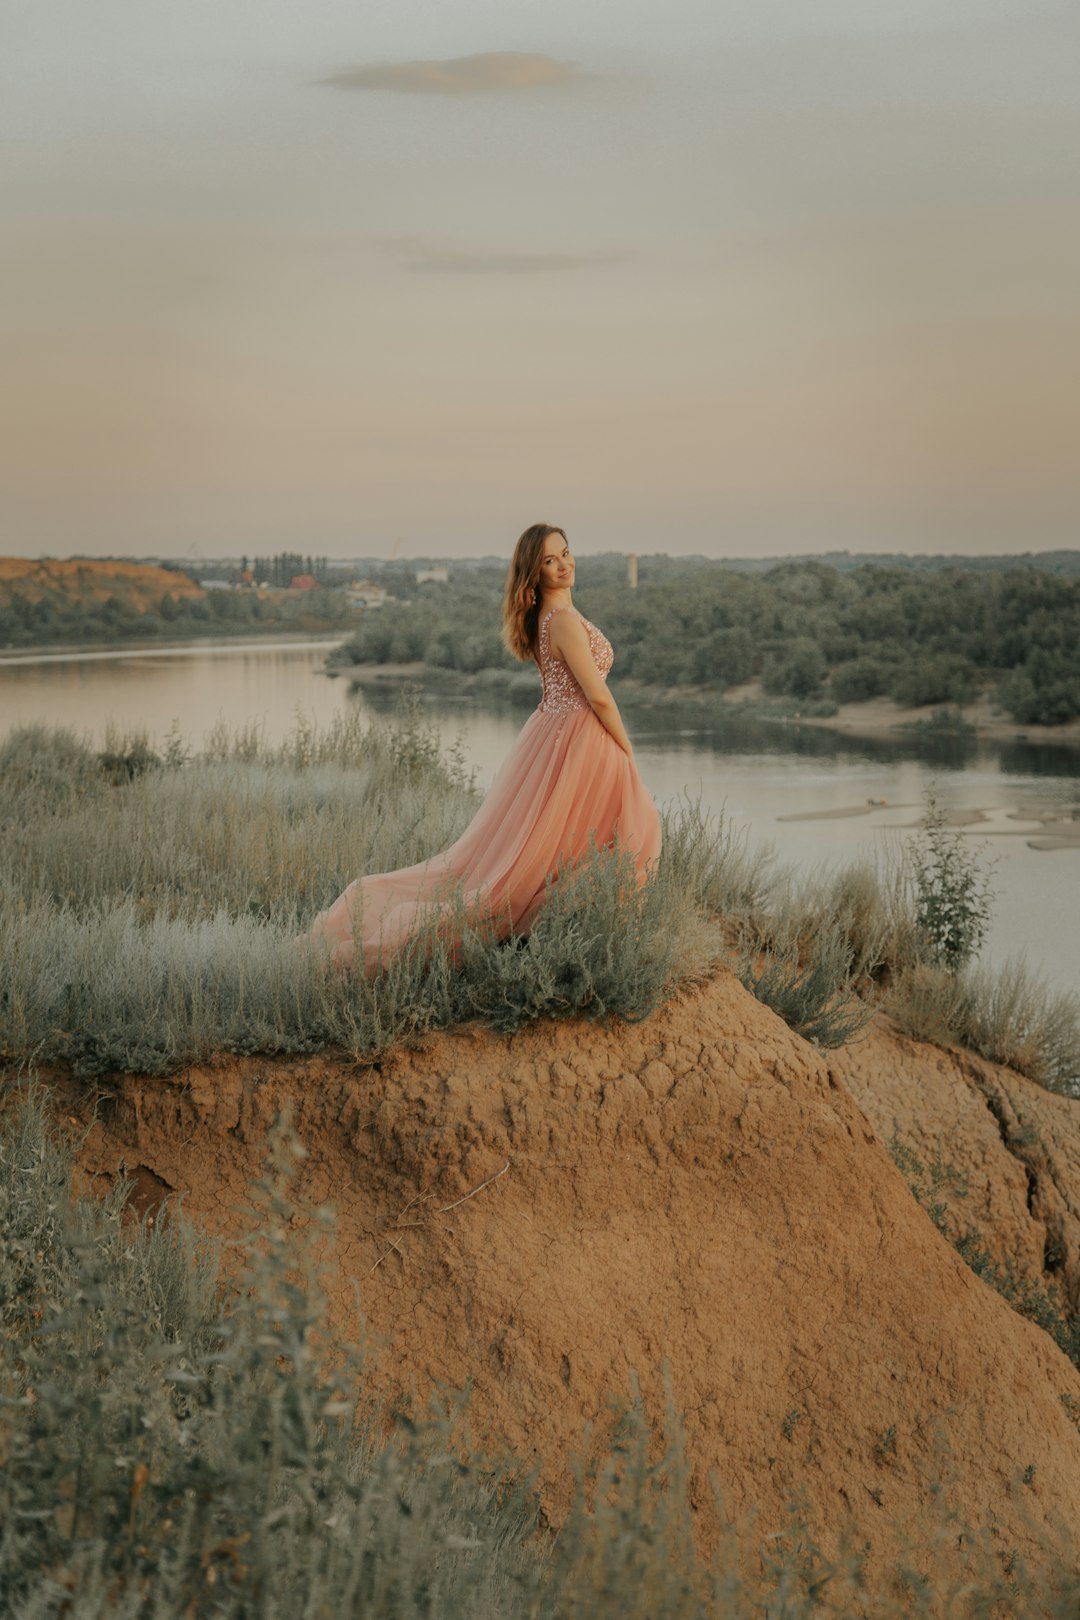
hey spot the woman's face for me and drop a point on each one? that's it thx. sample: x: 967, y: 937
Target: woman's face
x: 557, y: 567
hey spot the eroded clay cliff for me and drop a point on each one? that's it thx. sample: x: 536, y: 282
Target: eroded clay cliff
x: 705, y: 1190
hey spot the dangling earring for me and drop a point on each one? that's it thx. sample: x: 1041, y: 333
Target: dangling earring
x: 530, y: 596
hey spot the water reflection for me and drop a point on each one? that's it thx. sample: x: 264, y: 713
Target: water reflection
x: 691, y: 728
x: 745, y: 734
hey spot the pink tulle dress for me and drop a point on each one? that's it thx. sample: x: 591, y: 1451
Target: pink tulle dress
x: 565, y: 781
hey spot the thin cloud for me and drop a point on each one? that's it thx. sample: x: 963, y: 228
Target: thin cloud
x: 420, y: 254
x: 459, y: 75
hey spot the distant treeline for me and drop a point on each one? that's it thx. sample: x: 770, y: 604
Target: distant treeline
x: 806, y: 629
x: 25, y: 623
x: 278, y: 570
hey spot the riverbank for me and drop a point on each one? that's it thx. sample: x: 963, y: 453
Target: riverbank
x: 879, y: 717
x: 113, y: 649
x: 874, y: 718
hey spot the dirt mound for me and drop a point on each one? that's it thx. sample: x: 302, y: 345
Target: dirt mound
x: 702, y: 1189
x: 82, y: 581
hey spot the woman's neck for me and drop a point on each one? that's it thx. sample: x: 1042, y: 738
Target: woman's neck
x: 555, y: 599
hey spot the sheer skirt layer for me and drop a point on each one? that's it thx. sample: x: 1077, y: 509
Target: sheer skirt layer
x: 565, y: 782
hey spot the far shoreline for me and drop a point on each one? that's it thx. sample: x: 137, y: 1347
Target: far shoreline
x: 11, y: 656
x: 873, y: 719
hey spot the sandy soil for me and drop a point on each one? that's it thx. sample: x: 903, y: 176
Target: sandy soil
x: 702, y: 1192
x: 881, y: 716
x: 1042, y: 826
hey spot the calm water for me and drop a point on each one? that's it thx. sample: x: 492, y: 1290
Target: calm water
x: 758, y: 773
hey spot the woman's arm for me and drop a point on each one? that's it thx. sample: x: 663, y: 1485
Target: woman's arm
x: 569, y: 640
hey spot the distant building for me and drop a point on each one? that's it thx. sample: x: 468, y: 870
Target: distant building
x: 216, y: 584
x: 303, y: 582
x: 631, y: 570
x: 432, y: 576
x: 361, y: 593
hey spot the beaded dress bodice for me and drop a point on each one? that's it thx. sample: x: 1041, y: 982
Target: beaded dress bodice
x: 562, y: 693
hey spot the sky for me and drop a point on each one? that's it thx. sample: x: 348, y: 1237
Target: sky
x: 732, y: 277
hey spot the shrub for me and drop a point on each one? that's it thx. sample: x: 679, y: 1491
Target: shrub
x: 599, y: 945
x: 859, y: 679
x: 797, y: 671
x: 945, y: 722
x: 1008, y: 1017
x: 952, y: 890
x: 127, y: 754
x: 707, y: 855
x: 926, y: 1002
x: 865, y: 904
x: 44, y: 767
x: 1002, y: 1014
x: 726, y: 657
x: 868, y: 903
x: 934, y: 678
x: 285, y: 826
x: 815, y: 947
x: 810, y: 988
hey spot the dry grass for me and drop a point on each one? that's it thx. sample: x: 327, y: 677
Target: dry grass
x: 150, y: 903
x: 1002, y: 1014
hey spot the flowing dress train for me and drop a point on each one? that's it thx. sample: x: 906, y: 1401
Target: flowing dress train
x: 566, y: 781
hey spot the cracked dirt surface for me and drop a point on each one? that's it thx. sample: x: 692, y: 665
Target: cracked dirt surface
x: 703, y: 1189
x: 1015, y: 1146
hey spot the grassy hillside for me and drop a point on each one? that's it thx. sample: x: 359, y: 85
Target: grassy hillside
x: 81, y: 582
x: 540, y: 1209
x: 53, y: 601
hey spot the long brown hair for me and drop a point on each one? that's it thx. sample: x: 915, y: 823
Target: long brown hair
x: 521, y: 601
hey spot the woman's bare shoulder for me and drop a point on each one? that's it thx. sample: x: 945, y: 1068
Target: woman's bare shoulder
x: 561, y: 619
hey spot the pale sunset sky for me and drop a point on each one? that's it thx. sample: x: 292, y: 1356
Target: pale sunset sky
x: 740, y: 277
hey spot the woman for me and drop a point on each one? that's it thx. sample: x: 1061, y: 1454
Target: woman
x: 570, y: 779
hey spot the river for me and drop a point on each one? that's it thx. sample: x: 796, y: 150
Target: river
x: 759, y: 773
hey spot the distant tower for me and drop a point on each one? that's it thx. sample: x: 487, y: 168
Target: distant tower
x: 631, y: 570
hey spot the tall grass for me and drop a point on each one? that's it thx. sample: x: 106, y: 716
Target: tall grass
x: 1002, y: 1014
x: 812, y: 991
x: 828, y: 948
x: 148, y: 917
x: 1009, y: 1017
x: 170, y: 1452
x: 150, y: 897
x: 275, y: 831
x: 816, y: 945
x: 171, y: 1449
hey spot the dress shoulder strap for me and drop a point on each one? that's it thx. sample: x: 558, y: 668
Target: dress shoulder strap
x: 542, y: 629
x: 566, y: 608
